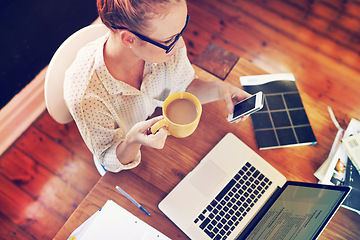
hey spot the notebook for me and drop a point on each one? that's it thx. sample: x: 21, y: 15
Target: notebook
x: 233, y: 193
x: 283, y: 121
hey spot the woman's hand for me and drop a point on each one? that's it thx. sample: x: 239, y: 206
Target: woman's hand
x: 231, y: 95
x: 139, y: 133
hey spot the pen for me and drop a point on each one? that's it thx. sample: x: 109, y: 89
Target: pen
x: 132, y: 200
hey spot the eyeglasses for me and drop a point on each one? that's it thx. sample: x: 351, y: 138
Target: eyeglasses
x: 167, y: 48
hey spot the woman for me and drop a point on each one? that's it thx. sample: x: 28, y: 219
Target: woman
x: 116, y: 82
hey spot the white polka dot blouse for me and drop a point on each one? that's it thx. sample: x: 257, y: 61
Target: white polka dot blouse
x: 105, y: 109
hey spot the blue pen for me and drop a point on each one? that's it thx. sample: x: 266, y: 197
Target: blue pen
x: 132, y: 200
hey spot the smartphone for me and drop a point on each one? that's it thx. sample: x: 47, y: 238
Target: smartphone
x: 247, y: 106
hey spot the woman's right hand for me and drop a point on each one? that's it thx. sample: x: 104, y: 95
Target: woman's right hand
x: 139, y: 133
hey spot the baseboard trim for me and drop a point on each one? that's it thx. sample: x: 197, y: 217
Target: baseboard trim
x: 22, y: 111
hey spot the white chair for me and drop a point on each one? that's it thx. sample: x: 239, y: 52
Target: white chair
x: 54, y: 80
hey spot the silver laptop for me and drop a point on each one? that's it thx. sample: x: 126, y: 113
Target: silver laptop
x: 233, y: 193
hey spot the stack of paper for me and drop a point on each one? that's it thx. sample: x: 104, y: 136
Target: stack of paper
x: 332, y: 171
x: 113, y: 222
x: 339, y: 169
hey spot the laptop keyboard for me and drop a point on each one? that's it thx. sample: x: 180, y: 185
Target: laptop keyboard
x: 232, y: 204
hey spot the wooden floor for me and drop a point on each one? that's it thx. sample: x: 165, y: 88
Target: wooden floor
x: 48, y: 171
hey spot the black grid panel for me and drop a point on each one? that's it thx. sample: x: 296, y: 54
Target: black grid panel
x: 283, y: 120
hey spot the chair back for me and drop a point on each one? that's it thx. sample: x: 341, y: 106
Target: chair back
x: 62, y: 59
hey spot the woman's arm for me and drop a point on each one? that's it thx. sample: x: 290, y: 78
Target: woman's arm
x: 217, y: 90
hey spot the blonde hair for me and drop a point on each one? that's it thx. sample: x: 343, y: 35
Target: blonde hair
x: 131, y: 14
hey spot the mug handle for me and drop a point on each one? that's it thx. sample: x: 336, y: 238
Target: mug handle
x: 159, y: 124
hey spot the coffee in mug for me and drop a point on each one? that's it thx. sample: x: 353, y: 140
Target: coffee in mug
x: 181, y: 111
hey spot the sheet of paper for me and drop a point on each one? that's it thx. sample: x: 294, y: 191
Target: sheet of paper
x: 79, y: 232
x: 114, y: 223
x: 352, y: 147
x: 321, y: 172
x: 332, y: 175
x: 335, y: 174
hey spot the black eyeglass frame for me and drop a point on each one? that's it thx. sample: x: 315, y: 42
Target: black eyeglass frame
x: 160, y: 45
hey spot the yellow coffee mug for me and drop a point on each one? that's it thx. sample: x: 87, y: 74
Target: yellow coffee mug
x: 182, y: 112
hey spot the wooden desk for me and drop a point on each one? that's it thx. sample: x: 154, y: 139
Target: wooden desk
x: 161, y: 170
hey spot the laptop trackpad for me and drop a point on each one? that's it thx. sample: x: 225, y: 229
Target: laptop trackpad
x: 207, y: 178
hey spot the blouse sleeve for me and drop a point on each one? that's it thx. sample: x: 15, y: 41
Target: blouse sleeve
x: 103, y: 135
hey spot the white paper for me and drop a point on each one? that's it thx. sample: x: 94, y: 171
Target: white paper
x: 340, y: 155
x: 321, y: 172
x: 79, y: 232
x: 114, y: 223
x: 352, y: 147
x: 323, y: 169
x: 265, y: 78
x: 336, y: 170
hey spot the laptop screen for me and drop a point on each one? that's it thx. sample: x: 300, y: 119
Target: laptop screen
x: 301, y: 211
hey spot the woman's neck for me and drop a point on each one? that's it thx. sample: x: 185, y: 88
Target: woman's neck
x: 122, y: 63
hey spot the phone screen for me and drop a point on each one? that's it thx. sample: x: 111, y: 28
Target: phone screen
x: 244, y: 106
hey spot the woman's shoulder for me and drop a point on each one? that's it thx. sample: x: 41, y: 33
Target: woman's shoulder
x: 89, y: 51
x: 85, y: 59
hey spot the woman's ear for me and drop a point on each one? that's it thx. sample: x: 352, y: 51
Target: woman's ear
x: 127, y: 38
